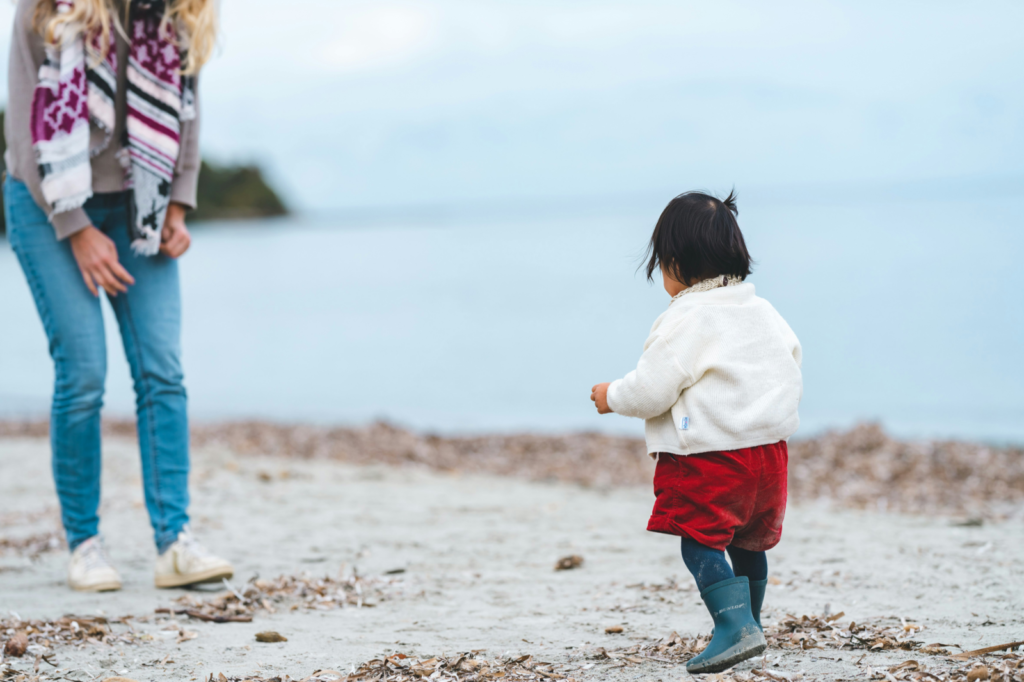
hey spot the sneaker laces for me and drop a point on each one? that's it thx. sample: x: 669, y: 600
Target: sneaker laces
x: 94, y: 555
x: 193, y: 546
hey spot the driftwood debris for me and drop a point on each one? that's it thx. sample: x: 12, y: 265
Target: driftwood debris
x: 986, y: 650
x: 210, y: 618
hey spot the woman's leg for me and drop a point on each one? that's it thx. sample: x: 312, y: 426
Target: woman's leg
x: 73, y: 323
x: 149, y: 317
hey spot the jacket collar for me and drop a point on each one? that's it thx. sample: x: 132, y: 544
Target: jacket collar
x: 709, y: 284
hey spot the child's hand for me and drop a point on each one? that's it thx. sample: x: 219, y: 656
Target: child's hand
x: 599, y: 394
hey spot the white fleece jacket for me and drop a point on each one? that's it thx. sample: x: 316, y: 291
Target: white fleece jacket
x: 720, y: 371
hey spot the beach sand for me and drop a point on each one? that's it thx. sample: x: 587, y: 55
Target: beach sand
x: 472, y: 561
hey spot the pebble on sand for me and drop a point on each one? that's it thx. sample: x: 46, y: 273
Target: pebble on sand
x: 16, y: 645
x: 568, y: 563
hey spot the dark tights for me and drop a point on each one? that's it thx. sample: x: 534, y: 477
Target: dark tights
x: 709, y: 566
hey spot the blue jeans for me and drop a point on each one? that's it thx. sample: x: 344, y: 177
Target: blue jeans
x: 149, y: 317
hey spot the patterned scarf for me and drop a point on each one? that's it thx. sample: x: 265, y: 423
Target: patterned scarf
x: 71, y: 94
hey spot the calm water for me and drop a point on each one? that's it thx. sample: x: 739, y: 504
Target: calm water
x: 910, y: 312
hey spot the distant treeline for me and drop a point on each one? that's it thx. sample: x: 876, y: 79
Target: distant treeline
x: 225, y: 192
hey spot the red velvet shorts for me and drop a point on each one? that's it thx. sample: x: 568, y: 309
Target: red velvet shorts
x: 736, y: 497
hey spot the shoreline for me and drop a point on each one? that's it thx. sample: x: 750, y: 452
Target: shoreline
x: 860, y: 468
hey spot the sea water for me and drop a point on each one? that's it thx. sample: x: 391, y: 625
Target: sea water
x: 910, y: 312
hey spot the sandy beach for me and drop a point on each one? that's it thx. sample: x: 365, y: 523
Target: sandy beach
x: 431, y: 561
x: 393, y: 275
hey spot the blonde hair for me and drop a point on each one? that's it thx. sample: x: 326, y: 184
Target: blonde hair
x: 197, y: 20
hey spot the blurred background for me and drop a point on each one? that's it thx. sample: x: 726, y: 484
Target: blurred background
x: 433, y: 212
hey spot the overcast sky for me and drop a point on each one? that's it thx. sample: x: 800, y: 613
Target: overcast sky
x: 451, y: 101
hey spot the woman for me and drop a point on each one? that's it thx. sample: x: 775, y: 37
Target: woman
x: 103, y: 161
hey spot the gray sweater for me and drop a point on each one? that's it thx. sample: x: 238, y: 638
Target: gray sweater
x: 107, y: 175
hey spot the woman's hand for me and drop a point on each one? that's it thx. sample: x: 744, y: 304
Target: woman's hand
x: 599, y: 394
x: 97, y: 260
x: 174, y: 238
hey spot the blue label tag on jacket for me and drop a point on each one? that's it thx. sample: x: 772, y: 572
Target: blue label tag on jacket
x: 684, y: 423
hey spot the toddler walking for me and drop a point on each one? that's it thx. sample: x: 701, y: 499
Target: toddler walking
x: 718, y: 384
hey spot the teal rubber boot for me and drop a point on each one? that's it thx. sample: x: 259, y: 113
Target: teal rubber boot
x: 737, y: 636
x: 757, y: 588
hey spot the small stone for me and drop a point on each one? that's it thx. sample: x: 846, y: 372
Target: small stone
x: 567, y: 563
x: 17, y: 645
x: 269, y: 637
x: 613, y: 630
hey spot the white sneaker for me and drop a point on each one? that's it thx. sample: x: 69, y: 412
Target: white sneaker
x: 90, y: 569
x: 186, y: 562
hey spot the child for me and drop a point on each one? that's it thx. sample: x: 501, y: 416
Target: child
x: 719, y: 384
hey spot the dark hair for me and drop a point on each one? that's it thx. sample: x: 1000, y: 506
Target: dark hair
x: 697, y: 237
